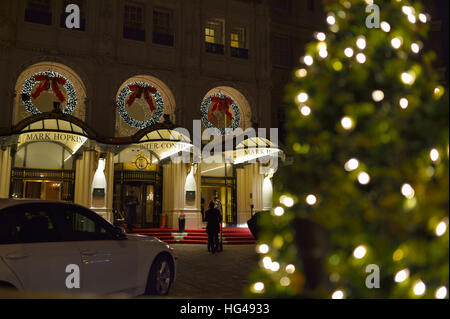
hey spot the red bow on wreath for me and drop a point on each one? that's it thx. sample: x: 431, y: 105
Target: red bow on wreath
x: 137, y: 93
x: 45, y: 86
x: 221, y: 104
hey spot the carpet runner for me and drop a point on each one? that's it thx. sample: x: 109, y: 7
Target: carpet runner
x: 231, y: 235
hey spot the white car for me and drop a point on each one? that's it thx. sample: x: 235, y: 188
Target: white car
x: 58, y: 247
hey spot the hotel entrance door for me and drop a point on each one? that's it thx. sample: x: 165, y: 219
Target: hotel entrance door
x: 139, y: 204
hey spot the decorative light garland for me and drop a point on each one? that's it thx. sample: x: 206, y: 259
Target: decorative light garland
x: 29, y: 84
x: 205, y: 113
x: 121, y: 105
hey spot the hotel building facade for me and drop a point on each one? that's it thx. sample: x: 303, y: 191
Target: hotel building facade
x: 89, y: 114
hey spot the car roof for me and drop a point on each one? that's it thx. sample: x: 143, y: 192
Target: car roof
x: 9, y: 202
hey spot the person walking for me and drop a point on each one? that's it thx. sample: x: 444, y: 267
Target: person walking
x: 213, y: 219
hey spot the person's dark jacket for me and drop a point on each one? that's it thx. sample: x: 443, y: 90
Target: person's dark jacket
x: 213, y: 218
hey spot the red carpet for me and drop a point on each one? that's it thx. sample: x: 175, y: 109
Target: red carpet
x: 231, y: 235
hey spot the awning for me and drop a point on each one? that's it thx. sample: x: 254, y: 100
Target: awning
x: 254, y: 148
x: 62, y: 132
x: 155, y: 146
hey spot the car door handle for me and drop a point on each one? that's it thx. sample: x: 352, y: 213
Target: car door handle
x: 17, y: 256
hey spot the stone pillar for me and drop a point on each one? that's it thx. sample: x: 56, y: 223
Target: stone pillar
x: 244, y: 193
x: 84, y: 174
x: 174, y: 198
x: 267, y: 193
x: 109, y: 173
x: 104, y: 207
x: 5, y: 172
x: 257, y: 188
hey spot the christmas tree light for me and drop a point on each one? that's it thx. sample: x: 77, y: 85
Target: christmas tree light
x: 370, y: 162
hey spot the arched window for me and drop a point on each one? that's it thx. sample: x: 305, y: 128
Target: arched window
x: 45, y: 83
x: 225, y: 107
x: 141, y: 102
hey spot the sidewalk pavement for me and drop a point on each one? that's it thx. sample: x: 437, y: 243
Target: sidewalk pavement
x: 219, y: 276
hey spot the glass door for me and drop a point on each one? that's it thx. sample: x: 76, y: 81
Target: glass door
x: 139, y: 204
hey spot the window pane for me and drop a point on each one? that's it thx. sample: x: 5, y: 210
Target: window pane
x: 8, y: 229
x: 214, y: 32
x: 39, y: 11
x: 133, y: 17
x: 29, y: 225
x: 44, y: 155
x: 80, y: 227
x: 133, y: 27
x: 238, y: 38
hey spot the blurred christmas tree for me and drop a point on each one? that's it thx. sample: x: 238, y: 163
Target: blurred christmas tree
x: 369, y: 129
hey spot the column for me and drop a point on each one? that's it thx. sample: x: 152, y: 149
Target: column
x: 244, y: 193
x: 174, y: 197
x: 5, y: 172
x: 84, y: 174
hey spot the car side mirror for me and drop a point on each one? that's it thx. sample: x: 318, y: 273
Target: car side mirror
x: 119, y: 233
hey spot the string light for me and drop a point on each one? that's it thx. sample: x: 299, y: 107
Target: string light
x: 363, y: 178
x: 351, y: 165
x: 267, y: 262
x: 290, y: 269
x: 398, y: 255
x: 415, y: 48
x: 404, y: 103
x: 308, y: 60
x: 423, y: 17
x: 338, y: 294
x: 419, y: 288
x: 321, y: 36
x: 287, y: 201
x: 396, y: 43
x: 441, y: 228
x: 275, y: 266
x: 301, y: 73
x: 359, y: 252
x: 441, y: 292
x: 434, y: 155
x: 322, y: 46
x: 386, y: 27
x: 302, y: 97
x: 263, y: 249
x: 408, y: 78
x: 305, y: 110
x: 361, y: 43
x: 408, y: 191
x: 331, y: 20
x: 285, y: 281
x: 439, y: 91
x: 361, y: 58
x: 258, y: 287
x: 348, y: 52
x: 378, y: 95
x: 347, y: 123
x: 278, y: 211
x: 311, y: 200
x: 323, y: 54
x: 401, y: 276
x: 412, y: 18
x: 337, y: 65
x: 407, y: 10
